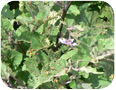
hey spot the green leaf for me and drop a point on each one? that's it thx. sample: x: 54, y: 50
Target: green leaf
x: 55, y: 31
x: 87, y: 18
x: 69, y: 21
x: 21, y: 29
x: 7, y: 24
x: 25, y: 36
x: 59, y: 66
x: 103, y: 83
x: 108, y: 12
x: 17, y: 58
x: 86, y: 86
x: 69, y: 54
x: 21, y: 6
x: 89, y: 69
x: 63, y: 78
x: 17, y: 12
x: 23, y: 76
x: 14, y: 58
x: 5, y: 70
x: 6, y: 12
x: 31, y: 65
x: 47, y: 85
x: 84, y: 74
x: 73, y: 9
x: 44, y: 13
x: 35, y: 39
x: 44, y: 58
x: 25, y: 19
x: 108, y: 67
x: 98, y: 82
x: 73, y: 84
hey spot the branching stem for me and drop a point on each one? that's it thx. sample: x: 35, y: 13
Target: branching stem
x: 32, y: 12
x: 65, y: 9
x: 20, y: 83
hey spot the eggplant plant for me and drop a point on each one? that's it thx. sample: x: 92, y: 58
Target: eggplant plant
x: 57, y: 44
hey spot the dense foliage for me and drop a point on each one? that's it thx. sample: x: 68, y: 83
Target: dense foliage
x: 65, y: 45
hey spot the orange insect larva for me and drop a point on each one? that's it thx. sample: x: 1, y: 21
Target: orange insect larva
x: 58, y: 14
x: 39, y: 63
x: 37, y: 19
x: 35, y: 53
x: 49, y: 17
x: 96, y: 64
x: 95, y: 60
x: 47, y: 72
x: 66, y: 70
x: 47, y: 1
x: 19, y: 42
x: 28, y: 51
x: 32, y: 49
x: 44, y: 21
x: 56, y: 80
x: 52, y: 68
x: 31, y: 53
x: 112, y: 76
x: 104, y: 32
x: 49, y: 27
x: 91, y: 57
x: 5, y: 44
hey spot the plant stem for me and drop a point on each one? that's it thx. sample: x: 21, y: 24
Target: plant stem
x: 58, y: 3
x: 77, y: 79
x: 20, y: 83
x: 65, y: 9
x: 97, y: 27
x: 32, y: 12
